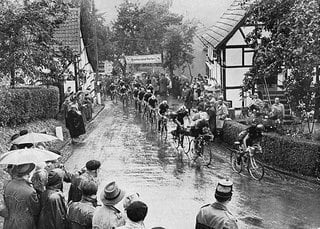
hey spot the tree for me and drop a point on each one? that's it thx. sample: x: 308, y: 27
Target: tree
x: 150, y: 29
x: 177, y: 46
x: 291, y: 45
x: 26, y: 30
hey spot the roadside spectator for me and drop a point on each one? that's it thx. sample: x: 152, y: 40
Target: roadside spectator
x: 277, y: 110
x: 74, y: 123
x: 53, y: 206
x: 39, y: 178
x: 14, y: 146
x: 25, y: 145
x: 164, y: 82
x: 136, y: 213
x: 221, y: 114
x: 79, y: 215
x: 217, y: 215
x: 91, y: 174
x: 21, y: 200
x: 108, y: 216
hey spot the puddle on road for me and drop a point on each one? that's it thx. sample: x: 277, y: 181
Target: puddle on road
x: 132, y: 154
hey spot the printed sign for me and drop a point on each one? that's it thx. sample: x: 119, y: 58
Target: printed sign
x: 144, y: 59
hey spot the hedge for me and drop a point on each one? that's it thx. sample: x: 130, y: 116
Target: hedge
x: 22, y: 105
x: 284, y: 152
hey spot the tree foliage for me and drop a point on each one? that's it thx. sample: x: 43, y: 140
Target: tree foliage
x: 26, y: 31
x: 290, y: 44
x: 150, y: 29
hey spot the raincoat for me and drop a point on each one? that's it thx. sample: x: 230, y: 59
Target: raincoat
x: 75, y: 124
x: 53, y: 209
x: 107, y: 217
x: 80, y: 214
x: 22, y: 203
x: 215, y: 216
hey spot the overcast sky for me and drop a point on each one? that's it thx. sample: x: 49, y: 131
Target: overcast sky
x: 206, y: 11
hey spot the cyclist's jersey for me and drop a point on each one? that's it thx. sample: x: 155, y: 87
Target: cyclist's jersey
x: 150, y: 87
x: 147, y: 96
x: 153, y: 102
x: 179, y: 116
x: 123, y: 90
x: 255, y: 135
x: 163, y: 108
x: 112, y: 87
x: 141, y: 95
x: 135, y: 93
x: 137, y: 85
x: 121, y: 83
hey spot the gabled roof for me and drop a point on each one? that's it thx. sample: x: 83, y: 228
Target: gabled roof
x: 227, y: 25
x: 69, y: 33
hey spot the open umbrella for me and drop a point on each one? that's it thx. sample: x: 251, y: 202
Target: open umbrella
x: 34, y: 138
x: 24, y: 156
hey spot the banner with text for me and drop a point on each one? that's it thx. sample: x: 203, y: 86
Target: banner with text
x: 144, y: 59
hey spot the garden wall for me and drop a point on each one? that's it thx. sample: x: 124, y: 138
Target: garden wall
x: 284, y: 152
x: 22, y: 105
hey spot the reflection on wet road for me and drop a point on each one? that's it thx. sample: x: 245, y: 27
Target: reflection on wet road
x: 132, y: 155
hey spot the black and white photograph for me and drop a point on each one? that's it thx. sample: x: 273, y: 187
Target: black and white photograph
x: 160, y: 114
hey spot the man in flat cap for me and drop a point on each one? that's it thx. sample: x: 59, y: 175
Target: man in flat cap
x: 217, y: 215
x: 91, y: 174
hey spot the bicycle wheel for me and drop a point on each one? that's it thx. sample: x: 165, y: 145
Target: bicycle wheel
x: 163, y: 131
x: 205, y: 154
x: 255, y: 168
x: 236, y: 161
x: 186, y: 144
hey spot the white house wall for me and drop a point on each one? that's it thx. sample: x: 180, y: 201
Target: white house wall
x: 234, y: 57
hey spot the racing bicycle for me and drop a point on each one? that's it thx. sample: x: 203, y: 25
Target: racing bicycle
x: 240, y: 159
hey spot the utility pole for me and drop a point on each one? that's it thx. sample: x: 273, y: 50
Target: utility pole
x: 97, y: 83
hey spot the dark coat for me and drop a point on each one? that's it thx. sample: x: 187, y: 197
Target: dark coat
x: 53, y: 210
x: 75, y: 124
x: 22, y: 203
x: 80, y: 214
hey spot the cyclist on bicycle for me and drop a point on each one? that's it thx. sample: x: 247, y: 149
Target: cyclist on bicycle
x: 162, y: 111
x: 123, y: 91
x: 152, y: 102
x: 140, y: 97
x: 201, y: 127
x: 136, y: 84
x: 250, y: 136
x: 146, y: 97
x: 112, y: 88
x: 178, y: 118
x: 150, y: 87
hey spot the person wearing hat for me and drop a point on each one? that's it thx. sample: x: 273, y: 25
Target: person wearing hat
x: 53, y: 206
x: 21, y: 200
x: 136, y: 213
x: 80, y: 213
x: 217, y: 215
x: 91, y: 174
x: 108, y: 216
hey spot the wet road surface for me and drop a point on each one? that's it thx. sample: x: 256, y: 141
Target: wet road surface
x: 132, y: 155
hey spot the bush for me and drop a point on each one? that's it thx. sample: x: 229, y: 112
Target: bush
x: 284, y: 152
x: 22, y: 105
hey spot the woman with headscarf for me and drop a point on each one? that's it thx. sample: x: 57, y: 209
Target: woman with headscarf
x: 53, y: 205
x: 74, y: 123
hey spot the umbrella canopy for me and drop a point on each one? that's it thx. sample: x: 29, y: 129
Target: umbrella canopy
x: 34, y: 138
x: 24, y: 156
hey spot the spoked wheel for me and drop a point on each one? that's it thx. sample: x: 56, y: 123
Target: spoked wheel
x: 255, y: 168
x: 205, y: 154
x: 186, y: 144
x: 236, y: 162
x: 163, y: 132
